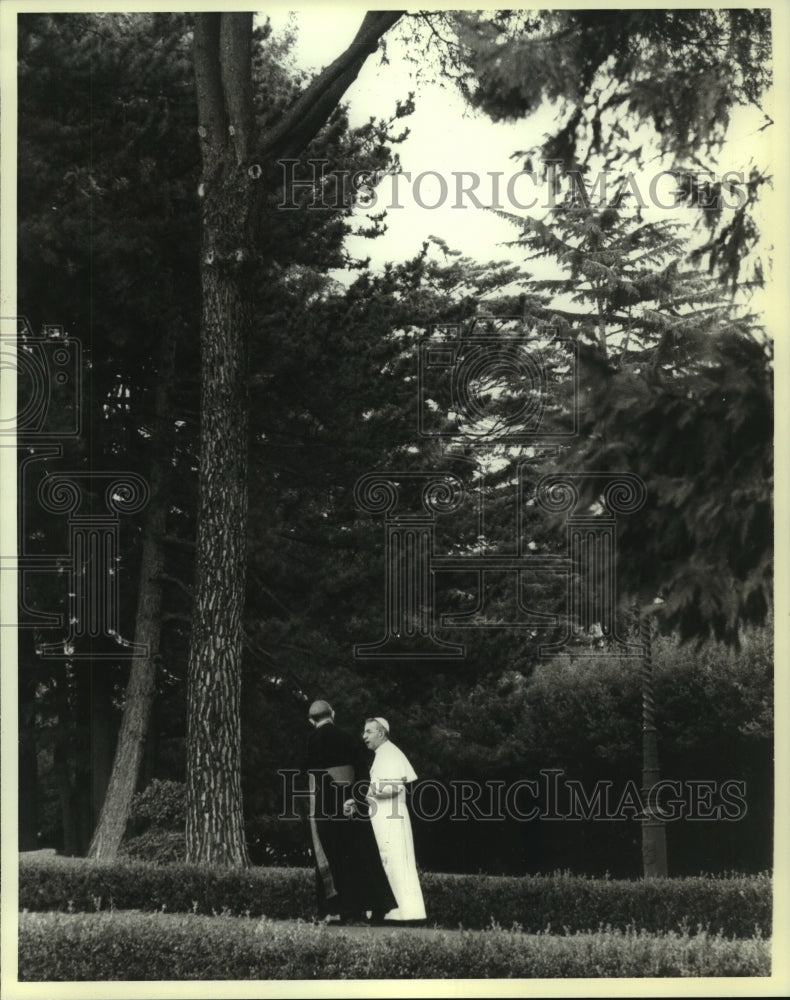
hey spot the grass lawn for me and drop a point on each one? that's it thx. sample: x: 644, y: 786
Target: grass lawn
x: 131, y: 945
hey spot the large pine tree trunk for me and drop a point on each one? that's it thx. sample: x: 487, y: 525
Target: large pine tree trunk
x: 140, y: 688
x: 215, y: 820
x: 215, y: 824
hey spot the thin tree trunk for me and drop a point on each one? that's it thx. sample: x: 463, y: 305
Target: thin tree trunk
x: 101, y: 729
x: 150, y: 748
x: 62, y: 757
x: 82, y: 781
x: 140, y: 687
x: 654, y: 837
x: 602, y: 328
x: 28, y: 749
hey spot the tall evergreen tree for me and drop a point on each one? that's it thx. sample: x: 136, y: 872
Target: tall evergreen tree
x: 646, y: 314
x: 103, y: 165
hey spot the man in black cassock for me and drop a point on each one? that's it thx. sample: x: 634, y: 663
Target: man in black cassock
x: 350, y: 878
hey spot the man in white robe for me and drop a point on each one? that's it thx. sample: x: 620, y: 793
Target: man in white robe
x: 389, y: 774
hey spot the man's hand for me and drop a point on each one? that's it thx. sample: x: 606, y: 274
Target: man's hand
x: 349, y: 807
x: 384, y: 789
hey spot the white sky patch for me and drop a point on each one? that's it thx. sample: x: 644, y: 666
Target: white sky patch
x: 448, y: 138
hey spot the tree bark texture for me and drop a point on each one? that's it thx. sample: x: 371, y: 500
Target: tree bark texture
x: 140, y: 688
x: 215, y: 824
x: 223, y: 76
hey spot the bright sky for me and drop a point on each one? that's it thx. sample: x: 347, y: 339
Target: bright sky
x: 448, y: 137
x: 445, y: 136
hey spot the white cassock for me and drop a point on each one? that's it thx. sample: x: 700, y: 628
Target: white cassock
x: 392, y: 827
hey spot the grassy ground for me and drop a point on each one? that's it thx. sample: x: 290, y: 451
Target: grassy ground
x: 133, y: 945
x: 125, y: 921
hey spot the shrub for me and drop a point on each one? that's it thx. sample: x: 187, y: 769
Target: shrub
x: 102, y: 946
x: 161, y: 804
x: 160, y: 847
x: 273, y: 841
x: 158, y: 818
x: 156, y: 824
x: 734, y: 905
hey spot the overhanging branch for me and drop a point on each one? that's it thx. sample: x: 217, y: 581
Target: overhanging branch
x: 312, y: 110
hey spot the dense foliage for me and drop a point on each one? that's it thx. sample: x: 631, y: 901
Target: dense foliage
x: 676, y: 388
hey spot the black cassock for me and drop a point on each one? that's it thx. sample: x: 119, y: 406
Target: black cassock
x: 350, y: 878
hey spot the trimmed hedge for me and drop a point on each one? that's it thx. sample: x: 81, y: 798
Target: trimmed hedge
x: 738, y: 906
x: 154, y: 946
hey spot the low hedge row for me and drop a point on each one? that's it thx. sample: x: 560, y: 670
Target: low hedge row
x: 134, y: 946
x: 738, y: 906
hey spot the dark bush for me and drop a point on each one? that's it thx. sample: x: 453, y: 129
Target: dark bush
x: 162, y: 804
x: 157, y: 821
x: 274, y: 841
x: 102, y: 946
x: 735, y: 906
x: 160, y: 847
